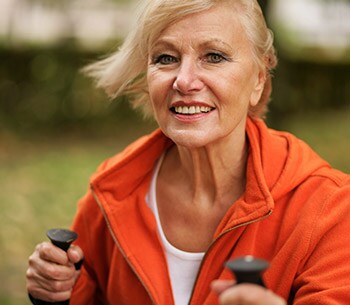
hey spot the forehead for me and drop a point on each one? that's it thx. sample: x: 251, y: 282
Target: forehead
x: 219, y: 25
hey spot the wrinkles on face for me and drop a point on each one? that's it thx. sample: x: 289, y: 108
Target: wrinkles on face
x: 203, y: 60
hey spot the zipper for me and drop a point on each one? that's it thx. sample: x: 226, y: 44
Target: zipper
x: 202, y: 262
x: 119, y: 246
x: 217, y: 239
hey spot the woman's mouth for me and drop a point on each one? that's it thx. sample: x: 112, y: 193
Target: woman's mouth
x: 189, y: 110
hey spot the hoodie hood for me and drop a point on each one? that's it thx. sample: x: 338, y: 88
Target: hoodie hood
x: 279, y: 160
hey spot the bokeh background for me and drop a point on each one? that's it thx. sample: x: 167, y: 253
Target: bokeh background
x: 55, y: 128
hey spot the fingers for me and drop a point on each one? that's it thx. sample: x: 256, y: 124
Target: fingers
x: 51, y: 274
x: 51, y: 253
x: 51, y: 263
x: 75, y: 254
x: 248, y: 294
x: 48, y: 290
x: 43, y: 295
x: 245, y: 294
x: 220, y: 286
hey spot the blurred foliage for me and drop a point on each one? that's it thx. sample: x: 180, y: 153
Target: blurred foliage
x: 43, y: 91
x: 302, y: 86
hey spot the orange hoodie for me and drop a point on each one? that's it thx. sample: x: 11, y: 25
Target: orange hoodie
x: 295, y: 213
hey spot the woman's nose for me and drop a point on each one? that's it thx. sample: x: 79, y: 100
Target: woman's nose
x: 187, y: 79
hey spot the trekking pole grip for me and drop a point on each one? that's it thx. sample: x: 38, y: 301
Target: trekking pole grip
x: 248, y: 269
x: 62, y: 238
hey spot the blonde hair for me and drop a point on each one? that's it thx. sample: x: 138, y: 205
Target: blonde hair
x: 124, y: 72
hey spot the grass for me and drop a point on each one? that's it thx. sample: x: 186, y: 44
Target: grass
x: 41, y: 179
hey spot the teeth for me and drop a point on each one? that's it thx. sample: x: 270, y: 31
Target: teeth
x: 192, y: 109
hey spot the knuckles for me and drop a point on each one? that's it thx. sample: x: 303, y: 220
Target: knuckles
x: 53, y: 272
x: 45, y: 251
x: 29, y: 274
x: 59, y: 273
x: 58, y: 286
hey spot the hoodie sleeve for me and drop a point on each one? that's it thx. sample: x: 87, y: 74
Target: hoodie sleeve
x: 323, y: 278
x: 88, y: 289
x: 85, y: 291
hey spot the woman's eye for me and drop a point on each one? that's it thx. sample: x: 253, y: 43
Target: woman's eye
x: 215, y: 58
x: 165, y: 59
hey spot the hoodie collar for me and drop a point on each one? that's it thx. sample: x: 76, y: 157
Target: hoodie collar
x: 277, y: 163
x: 133, y: 164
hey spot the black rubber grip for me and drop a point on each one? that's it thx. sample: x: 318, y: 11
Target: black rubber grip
x: 248, y: 269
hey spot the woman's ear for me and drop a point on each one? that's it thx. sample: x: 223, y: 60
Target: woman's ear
x: 258, y: 88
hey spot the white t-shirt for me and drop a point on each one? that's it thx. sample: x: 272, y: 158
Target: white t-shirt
x: 183, y: 266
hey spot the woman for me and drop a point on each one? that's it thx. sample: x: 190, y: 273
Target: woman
x: 213, y: 183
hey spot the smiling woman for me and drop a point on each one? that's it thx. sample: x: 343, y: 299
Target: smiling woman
x: 212, y: 66
x: 212, y: 183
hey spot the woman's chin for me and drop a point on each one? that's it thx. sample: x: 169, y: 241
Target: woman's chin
x: 190, y: 139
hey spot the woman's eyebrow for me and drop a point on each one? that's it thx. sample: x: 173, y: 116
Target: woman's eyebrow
x: 215, y: 42
x: 170, y: 43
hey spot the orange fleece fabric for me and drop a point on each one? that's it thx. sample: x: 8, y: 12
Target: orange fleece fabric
x: 295, y: 213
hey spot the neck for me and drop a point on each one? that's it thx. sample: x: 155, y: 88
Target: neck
x: 210, y: 175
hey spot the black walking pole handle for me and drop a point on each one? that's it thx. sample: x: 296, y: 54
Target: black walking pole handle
x: 61, y: 238
x: 248, y: 269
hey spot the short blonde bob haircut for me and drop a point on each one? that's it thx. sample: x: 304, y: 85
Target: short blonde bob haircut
x: 124, y: 72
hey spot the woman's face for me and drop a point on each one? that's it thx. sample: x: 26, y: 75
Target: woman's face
x: 202, y: 78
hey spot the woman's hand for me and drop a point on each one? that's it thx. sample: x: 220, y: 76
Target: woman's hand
x: 51, y: 274
x: 245, y: 294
